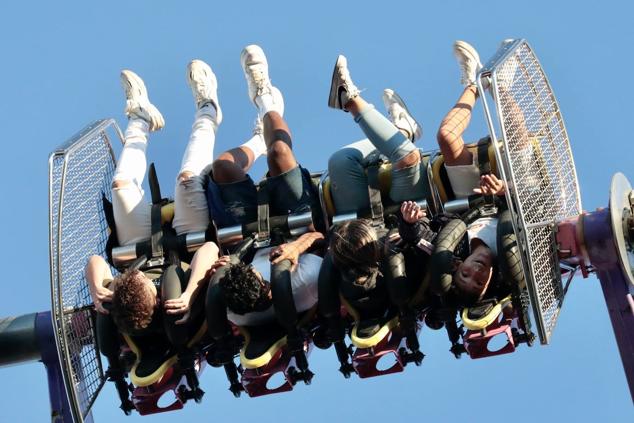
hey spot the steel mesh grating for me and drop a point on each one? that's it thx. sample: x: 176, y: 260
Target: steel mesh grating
x: 80, y: 174
x: 540, y: 172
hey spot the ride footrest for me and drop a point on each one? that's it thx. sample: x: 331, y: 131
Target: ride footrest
x: 476, y: 342
x: 146, y: 398
x: 256, y: 381
x: 389, y: 349
x: 265, y: 355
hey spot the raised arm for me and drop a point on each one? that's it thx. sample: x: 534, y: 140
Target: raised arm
x: 96, y: 271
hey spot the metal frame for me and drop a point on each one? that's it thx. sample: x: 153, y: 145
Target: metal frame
x: 524, y: 229
x: 61, y: 315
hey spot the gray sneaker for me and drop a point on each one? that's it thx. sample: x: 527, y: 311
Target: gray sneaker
x: 400, y: 116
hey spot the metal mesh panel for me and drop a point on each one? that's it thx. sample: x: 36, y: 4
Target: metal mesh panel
x: 80, y: 173
x: 539, y: 170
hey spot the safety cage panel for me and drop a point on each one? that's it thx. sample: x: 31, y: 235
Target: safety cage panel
x: 537, y: 165
x: 80, y: 172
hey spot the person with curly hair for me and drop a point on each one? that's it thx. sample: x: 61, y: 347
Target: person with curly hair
x: 133, y: 294
x: 246, y: 288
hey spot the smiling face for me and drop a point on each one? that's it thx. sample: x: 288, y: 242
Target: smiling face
x: 473, y: 275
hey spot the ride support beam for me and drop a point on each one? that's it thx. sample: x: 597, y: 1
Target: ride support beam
x: 18, y: 340
x: 601, y: 247
x: 31, y: 337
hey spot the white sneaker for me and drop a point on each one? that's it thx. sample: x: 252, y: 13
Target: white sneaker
x: 258, y: 128
x: 469, y: 61
x: 204, y: 85
x: 342, y: 89
x: 256, y: 71
x: 400, y: 116
x: 137, y: 102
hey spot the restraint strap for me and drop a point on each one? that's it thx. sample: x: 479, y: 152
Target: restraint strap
x: 483, y: 156
x: 264, y: 228
x: 374, y: 192
x: 157, y: 228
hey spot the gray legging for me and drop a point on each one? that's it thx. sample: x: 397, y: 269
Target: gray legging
x: 346, y: 167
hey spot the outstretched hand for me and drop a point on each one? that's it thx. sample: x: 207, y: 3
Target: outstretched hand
x: 412, y: 212
x: 490, y: 185
x: 289, y: 251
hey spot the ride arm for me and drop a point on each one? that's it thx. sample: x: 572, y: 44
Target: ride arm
x: 96, y: 271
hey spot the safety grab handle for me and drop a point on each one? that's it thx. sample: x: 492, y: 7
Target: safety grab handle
x: 339, y: 219
x: 295, y: 224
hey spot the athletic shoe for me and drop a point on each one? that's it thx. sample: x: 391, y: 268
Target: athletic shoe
x: 137, y: 102
x: 256, y: 71
x: 204, y: 85
x: 342, y: 89
x: 258, y: 128
x: 469, y: 62
x: 400, y: 116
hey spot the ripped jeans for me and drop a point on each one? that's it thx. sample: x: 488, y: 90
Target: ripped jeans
x: 132, y: 213
x: 347, y: 166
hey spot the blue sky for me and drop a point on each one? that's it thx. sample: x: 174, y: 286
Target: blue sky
x: 60, y: 71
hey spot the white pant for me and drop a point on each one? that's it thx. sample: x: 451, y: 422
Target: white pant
x: 132, y: 214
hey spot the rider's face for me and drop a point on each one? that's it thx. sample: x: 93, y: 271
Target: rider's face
x: 474, y: 273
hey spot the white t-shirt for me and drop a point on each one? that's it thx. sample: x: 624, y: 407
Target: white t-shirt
x: 303, y: 281
x: 485, y: 229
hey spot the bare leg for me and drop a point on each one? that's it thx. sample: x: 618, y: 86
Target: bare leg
x: 453, y: 126
x: 279, y: 145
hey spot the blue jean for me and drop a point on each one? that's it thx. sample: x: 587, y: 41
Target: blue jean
x: 346, y: 167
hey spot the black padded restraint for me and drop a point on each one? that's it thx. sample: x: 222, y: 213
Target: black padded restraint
x: 282, y: 293
x: 442, y: 258
x: 374, y: 193
x: 509, y: 258
x: 483, y: 156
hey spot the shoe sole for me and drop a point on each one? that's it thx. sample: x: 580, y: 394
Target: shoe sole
x: 400, y: 101
x: 335, y: 92
x: 248, y: 50
x: 133, y: 79
x: 467, y: 50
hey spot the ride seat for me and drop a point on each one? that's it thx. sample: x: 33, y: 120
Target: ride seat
x: 439, y: 172
x: 385, y: 183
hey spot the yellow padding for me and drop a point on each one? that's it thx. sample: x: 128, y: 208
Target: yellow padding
x: 374, y: 339
x: 167, y: 213
x: 158, y: 373
x: 264, y: 359
x: 152, y: 378
x: 486, y: 320
x: 330, y: 204
x: 436, y: 166
x: 385, y: 182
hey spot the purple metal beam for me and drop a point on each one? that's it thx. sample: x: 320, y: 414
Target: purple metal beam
x: 601, y: 247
